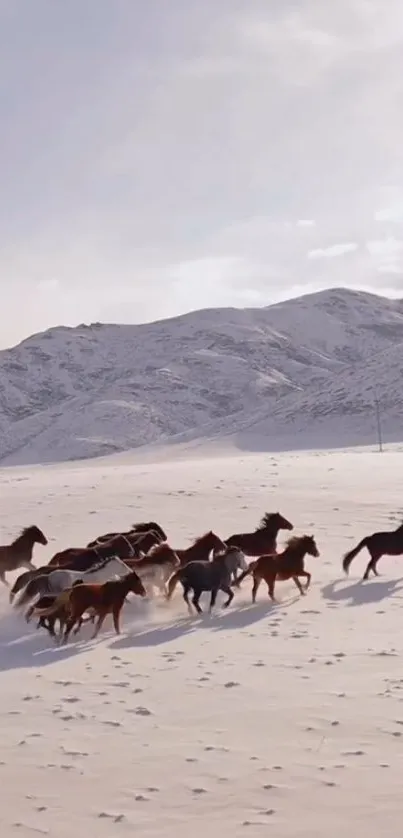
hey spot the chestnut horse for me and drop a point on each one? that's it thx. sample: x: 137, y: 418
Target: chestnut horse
x: 61, y: 615
x: 264, y: 539
x: 200, y: 550
x: 99, y: 599
x: 389, y: 543
x: 282, y: 566
x: 123, y: 547
x: 19, y: 552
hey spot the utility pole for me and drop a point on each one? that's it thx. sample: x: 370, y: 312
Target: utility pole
x: 378, y: 421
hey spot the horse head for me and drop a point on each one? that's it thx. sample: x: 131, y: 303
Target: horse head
x: 311, y: 546
x: 38, y: 535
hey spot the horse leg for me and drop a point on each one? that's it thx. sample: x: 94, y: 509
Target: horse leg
x: 29, y: 613
x: 69, y: 624
x: 307, y: 576
x: 299, y: 586
x: 50, y: 625
x: 80, y: 622
x: 186, y: 590
x: 3, y: 579
x: 28, y: 564
x: 116, y: 614
x: 43, y: 622
x: 270, y: 584
x: 256, y: 585
x: 101, y: 619
x: 195, y: 599
x: 372, y: 565
x: 214, y: 592
x: 227, y: 590
x: 235, y: 579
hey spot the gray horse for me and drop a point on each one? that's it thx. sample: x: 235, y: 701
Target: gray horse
x: 211, y: 576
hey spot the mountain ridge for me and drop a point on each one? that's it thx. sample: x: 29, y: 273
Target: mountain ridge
x: 77, y: 392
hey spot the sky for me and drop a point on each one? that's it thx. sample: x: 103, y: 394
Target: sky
x: 158, y: 157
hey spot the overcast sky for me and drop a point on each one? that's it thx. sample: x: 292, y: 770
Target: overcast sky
x: 164, y: 155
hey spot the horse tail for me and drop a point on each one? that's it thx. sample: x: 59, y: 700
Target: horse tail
x: 247, y: 572
x: 348, y: 558
x: 173, y: 581
x: 32, y: 588
x: 59, y: 602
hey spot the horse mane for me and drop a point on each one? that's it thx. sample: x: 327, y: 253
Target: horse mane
x: 266, y: 520
x: 201, y: 538
x: 141, y: 524
x: 101, y: 563
x: 156, y: 549
x: 295, y: 540
x: 26, y: 531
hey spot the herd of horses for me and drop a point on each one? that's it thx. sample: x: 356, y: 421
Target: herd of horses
x: 82, y: 584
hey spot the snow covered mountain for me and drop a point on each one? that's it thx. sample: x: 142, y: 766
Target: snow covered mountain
x: 291, y: 374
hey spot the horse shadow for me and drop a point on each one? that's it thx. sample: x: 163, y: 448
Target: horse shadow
x: 246, y: 614
x: 361, y: 593
x: 157, y: 636
x: 23, y: 647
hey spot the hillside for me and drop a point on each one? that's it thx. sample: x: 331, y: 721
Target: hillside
x: 281, y: 373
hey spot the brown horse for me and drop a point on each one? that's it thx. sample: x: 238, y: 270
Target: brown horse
x: 200, y: 550
x: 60, y: 616
x: 282, y: 566
x: 137, y: 529
x: 264, y: 539
x: 19, y: 552
x: 123, y: 547
x: 378, y: 544
x: 100, y: 600
x: 156, y: 567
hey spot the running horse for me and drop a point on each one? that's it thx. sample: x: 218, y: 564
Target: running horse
x: 282, y: 566
x: 264, y: 538
x: 211, y: 576
x: 201, y: 548
x: 19, y: 552
x: 100, y: 600
x: 122, y: 546
x: 389, y: 543
x: 141, y: 529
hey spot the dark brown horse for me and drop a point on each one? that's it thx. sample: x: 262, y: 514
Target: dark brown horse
x: 201, y: 548
x: 19, y: 552
x: 60, y: 616
x: 264, y: 539
x: 378, y: 544
x: 140, y: 529
x: 282, y: 566
x: 123, y: 547
x: 100, y: 600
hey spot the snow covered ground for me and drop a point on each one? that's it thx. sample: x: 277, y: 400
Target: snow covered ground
x: 284, y: 720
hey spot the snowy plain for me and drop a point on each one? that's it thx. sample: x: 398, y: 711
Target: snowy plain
x: 284, y: 720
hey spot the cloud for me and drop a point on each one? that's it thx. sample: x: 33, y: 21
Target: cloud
x: 186, y: 154
x: 332, y: 251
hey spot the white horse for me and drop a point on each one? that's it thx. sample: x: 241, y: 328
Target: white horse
x: 60, y: 579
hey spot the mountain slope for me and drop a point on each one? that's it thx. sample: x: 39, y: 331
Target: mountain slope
x: 268, y: 372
